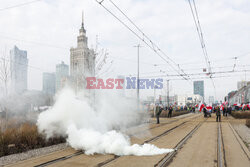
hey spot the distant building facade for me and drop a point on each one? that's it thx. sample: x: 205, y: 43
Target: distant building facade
x: 240, y: 96
x: 49, y: 83
x: 19, y: 70
x: 241, y: 84
x: 82, y: 62
x: 62, y: 74
x: 211, y: 99
x: 160, y: 99
x: 179, y: 100
x: 199, y: 88
x: 231, y: 94
x: 192, y: 99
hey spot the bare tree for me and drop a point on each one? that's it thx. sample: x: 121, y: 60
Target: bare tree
x: 102, y: 63
x: 5, y: 75
x: 5, y: 72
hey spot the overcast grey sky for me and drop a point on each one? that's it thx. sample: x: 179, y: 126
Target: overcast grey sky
x: 47, y: 29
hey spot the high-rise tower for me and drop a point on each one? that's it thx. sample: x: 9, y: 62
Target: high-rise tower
x: 19, y: 70
x: 199, y: 88
x: 82, y: 61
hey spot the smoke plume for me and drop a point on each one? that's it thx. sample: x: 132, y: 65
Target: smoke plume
x: 95, y: 129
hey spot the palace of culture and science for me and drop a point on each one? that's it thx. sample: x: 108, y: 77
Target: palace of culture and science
x: 82, y: 62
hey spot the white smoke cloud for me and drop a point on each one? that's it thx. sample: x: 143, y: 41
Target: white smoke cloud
x: 95, y: 131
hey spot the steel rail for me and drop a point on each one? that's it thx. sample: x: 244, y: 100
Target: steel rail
x: 243, y: 147
x: 219, y: 154
x: 169, y: 157
x: 115, y: 156
x: 146, y: 141
x: 59, y: 159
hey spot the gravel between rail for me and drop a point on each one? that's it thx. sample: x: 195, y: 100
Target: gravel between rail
x: 31, y: 153
x: 46, y: 150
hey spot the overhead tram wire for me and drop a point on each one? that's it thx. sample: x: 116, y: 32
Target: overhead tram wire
x: 144, y: 35
x: 204, y: 47
x: 120, y: 59
x: 142, y: 39
x: 65, y: 48
x: 219, y: 60
x: 19, y: 5
x: 138, y: 36
x: 194, y: 69
x: 199, y: 31
x: 200, y: 34
x: 172, y: 78
x: 223, y: 76
x: 200, y: 74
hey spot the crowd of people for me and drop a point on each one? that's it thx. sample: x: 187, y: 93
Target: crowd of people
x: 161, y: 108
x: 217, y: 110
x: 223, y: 109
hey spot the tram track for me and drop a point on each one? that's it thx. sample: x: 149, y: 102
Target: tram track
x: 146, y: 141
x: 214, y: 144
x: 221, y: 157
x: 239, y: 140
x: 163, y: 124
x: 167, y: 159
x: 54, y: 161
x: 231, y: 148
x: 59, y: 159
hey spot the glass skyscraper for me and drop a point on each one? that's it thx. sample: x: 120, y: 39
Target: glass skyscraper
x: 199, y: 88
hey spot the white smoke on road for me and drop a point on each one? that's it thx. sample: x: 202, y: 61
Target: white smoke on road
x: 95, y: 131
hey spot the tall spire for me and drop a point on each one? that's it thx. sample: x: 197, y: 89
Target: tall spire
x: 82, y: 29
x: 82, y: 19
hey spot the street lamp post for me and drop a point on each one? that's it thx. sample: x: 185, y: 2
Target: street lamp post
x: 138, y: 76
x: 154, y: 100
x: 168, y: 92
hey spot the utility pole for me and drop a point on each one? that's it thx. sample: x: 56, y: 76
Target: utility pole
x: 154, y: 101
x: 168, y: 92
x: 138, y: 74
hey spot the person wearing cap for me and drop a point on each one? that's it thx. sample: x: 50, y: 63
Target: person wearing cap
x: 159, y: 113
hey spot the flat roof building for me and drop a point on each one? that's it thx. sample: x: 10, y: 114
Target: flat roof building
x: 49, y: 83
x: 19, y: 70
x: 62, y: 74
x: 199, y: 88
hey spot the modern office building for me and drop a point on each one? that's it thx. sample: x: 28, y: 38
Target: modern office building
x: 199, y: 88
x: 49, y: 83
x: 19, y: 70
x: 62, y: 74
